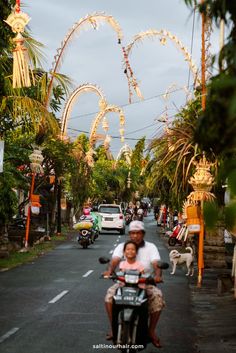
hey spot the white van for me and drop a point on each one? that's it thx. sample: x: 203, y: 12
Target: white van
x: 112, y: 217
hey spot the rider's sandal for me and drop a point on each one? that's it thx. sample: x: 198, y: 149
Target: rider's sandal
x: 109, y: 337
x: 156, y: 342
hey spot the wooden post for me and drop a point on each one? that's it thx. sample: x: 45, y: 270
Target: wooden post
x: 29, y: 212
x: 201, y: 249
x: 59, y: 207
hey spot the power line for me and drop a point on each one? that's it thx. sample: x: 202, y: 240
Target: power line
x: 114, y: 137
x: 130, y: 132
x: 143, y: 128
x: 129, y: 104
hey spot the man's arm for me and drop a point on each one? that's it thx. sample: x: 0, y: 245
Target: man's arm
x: 157, y: 272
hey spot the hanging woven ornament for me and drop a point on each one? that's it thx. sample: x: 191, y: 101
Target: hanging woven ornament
x: 132, y: 82
x: 17, y: 20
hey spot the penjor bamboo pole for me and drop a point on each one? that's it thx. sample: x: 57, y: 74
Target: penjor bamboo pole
x: 203, y: 102
x: 17, y: 6
x: 203, y: 61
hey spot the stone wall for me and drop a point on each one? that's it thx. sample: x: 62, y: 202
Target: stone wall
x: 214, y: 248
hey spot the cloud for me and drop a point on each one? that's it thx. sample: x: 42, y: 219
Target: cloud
x: 95, y: 56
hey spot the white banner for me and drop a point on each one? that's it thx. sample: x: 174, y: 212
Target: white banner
x: 1, y: 155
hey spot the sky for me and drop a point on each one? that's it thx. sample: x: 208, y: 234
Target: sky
x: 94, y: 56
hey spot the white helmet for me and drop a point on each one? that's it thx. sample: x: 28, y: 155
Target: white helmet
x: 136, y: 226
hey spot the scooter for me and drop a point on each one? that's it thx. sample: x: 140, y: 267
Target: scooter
x: 130, y: 312
x: 140, y: 214
x: 18, y: 223
x: 173, y: 238
x: 86, y: 234
x: 128, y: 218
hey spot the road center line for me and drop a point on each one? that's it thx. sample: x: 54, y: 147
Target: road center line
x: 87, y: 273
x: 58, y: 297
x: 8, y: 334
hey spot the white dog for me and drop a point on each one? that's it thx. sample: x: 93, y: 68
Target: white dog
x: 176, y: 258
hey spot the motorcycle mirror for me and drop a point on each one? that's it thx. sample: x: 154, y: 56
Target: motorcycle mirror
x: 103, y: 260
x: 163, y: 265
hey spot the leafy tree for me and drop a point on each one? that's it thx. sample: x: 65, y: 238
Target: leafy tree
x: 216, y: 128
x: 138, y: 155
x: 80, y: 176
x: 220, y: 113
x: 25, y: 119
x: 5, y: 36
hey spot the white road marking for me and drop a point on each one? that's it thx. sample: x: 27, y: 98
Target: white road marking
x: 8, y: 334
x: 58, y: 297
x: 111, y: 252
x: 87, y: 273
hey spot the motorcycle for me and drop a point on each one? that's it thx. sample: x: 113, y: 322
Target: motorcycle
x: 173, y: 237
x: 130, y: 312
x: 128, y: 218
x: 86, y: 235
x: 140, y: 214
x: 18, y: 223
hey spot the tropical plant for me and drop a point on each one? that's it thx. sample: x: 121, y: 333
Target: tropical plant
x: 216, y: 128
x: 173, y: 156
x: 220, y: 113
x: 25, y: 119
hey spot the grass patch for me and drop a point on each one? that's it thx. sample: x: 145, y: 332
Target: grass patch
x: 19, y: 258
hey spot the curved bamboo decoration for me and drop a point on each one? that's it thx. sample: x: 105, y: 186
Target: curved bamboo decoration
x: 100, y: 116
x: 127, y: 152
x: 87, y: 87
x: 164, y: 35
x: 93, y: 21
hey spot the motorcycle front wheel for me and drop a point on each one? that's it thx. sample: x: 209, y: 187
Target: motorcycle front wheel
x: 172, y: 241
x: 126, y: 338
x: 84, y: 245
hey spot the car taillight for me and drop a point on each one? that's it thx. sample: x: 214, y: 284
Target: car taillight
x: 121, y: 216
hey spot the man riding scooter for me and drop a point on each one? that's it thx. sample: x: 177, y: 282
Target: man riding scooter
x: 149, y: 256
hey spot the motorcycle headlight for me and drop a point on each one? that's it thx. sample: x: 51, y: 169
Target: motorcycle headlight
x: 131, y: 279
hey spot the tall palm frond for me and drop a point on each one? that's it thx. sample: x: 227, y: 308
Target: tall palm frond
x: 25, y: 110
x: 35, y: 51
x: 175, y: 151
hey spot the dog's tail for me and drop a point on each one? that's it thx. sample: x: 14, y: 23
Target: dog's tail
x: 190, y: 249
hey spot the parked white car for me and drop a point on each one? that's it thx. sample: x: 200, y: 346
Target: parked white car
x: 112, y: 217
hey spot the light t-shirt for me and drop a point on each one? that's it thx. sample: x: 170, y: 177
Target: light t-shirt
x: 147, y: 254
x: 125, y: 265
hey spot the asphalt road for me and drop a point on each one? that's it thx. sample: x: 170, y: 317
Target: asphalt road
x: 56, y: 303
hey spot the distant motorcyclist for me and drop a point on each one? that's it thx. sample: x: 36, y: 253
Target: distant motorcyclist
x: 128, y: 215
x: 140, y: 214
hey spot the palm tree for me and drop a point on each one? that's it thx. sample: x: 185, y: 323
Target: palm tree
x: 174, y: 153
